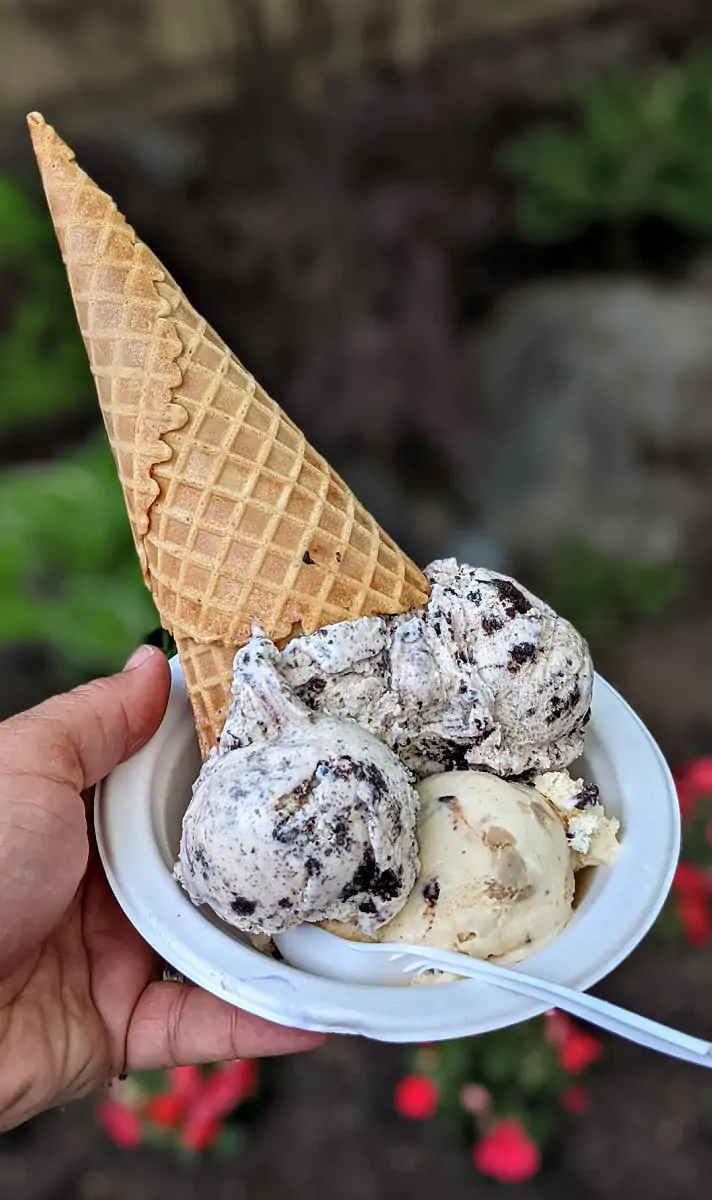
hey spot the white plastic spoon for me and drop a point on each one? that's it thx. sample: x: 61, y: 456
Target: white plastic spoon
x: 405, y: 961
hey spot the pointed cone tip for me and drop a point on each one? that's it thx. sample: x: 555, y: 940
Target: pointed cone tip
x: 46, y: 140
x: 38, y: 128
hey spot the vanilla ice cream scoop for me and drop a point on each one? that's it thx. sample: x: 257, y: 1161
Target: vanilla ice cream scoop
x: 485, y: 675
x: 496, y: 873
x: 296, y: 816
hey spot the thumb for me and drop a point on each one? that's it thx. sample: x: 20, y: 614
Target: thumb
x: 85, y: 733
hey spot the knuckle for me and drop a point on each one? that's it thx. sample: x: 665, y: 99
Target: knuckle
x: 37, y: 740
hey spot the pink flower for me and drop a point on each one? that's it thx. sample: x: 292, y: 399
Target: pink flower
x: 186, y: 1081
x: 557, y: 1027
x: 579, y: 1051
x: 416, y: 1097
x: 475, y: 1099
x: 507, y: 1153
x: 576, y: 1099
x: 122, y: 1124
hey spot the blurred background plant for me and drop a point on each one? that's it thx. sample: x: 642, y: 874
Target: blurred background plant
x: 68, y: 569
x: 602, y: 595
x: 187, y: 1110
x: 43, y: 367
x: 688, y: 912
x: 69, y: 578
x: 632, y: 147
x: 504, y: 1092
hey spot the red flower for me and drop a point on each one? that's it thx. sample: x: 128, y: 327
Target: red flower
x: 224, y: 1089
x: 694, y: 781
x: 507, y: 1153
x: 200, y: 1133
x: 416, y: 1097
x: 576, y: 1099
x: 122, y: 1124
x: 691, y: 881
x: 579, y: 1051
x: 166, y: 1110
x: 693, y: 910
x: 240, y: 1079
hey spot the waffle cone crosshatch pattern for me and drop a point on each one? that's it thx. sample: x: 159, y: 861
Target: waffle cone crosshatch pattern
x: 235, y: 517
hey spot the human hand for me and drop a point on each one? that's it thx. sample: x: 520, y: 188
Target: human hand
x: 81, y: 996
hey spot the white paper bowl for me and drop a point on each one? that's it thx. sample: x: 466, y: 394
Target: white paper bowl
x: 138, y: 813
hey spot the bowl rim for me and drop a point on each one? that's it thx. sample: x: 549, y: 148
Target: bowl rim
x: 629, y: 902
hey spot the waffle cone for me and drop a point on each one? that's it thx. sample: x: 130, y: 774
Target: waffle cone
x: 235, y: 517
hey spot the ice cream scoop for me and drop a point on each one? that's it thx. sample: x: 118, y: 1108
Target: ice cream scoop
x: 484, y: 675
x: 297, y: 816
x: 496, y: 873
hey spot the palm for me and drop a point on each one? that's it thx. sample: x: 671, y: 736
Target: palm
x: 78, y: 997
x: 68, y: 1005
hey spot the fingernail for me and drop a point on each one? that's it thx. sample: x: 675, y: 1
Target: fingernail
x: 139, y: 656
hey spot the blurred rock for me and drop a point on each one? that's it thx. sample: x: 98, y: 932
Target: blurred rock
x: 659, y: 668
x: 595, y: 397
x: 176, y: 50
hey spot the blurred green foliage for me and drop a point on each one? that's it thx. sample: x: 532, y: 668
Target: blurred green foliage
x: 600, y: 594
x: 68, y: 571
x: 69, y: 576
x: 43, y: 366
x: 636, y: 146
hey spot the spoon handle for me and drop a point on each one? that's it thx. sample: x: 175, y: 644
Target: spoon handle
x: 598, y: 1012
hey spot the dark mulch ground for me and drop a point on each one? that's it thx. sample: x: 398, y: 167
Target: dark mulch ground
x: 330, y: 1129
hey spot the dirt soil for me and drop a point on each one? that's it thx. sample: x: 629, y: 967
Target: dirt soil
x: 331, y: 1130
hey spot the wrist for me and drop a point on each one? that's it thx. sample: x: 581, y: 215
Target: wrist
x: 11, y: 1087
x: 21, y: 1076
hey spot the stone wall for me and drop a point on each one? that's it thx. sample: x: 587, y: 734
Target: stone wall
x: 180, y: 54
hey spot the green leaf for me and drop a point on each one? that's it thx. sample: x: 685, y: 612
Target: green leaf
x: 68, y: 570
x: 151, y: 1083
x: 636, y: 146
x: 23, y: 229
x: 230, y: 1142
x: 600, y: 594
x: 668, y: 925
x: 43, y: 363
